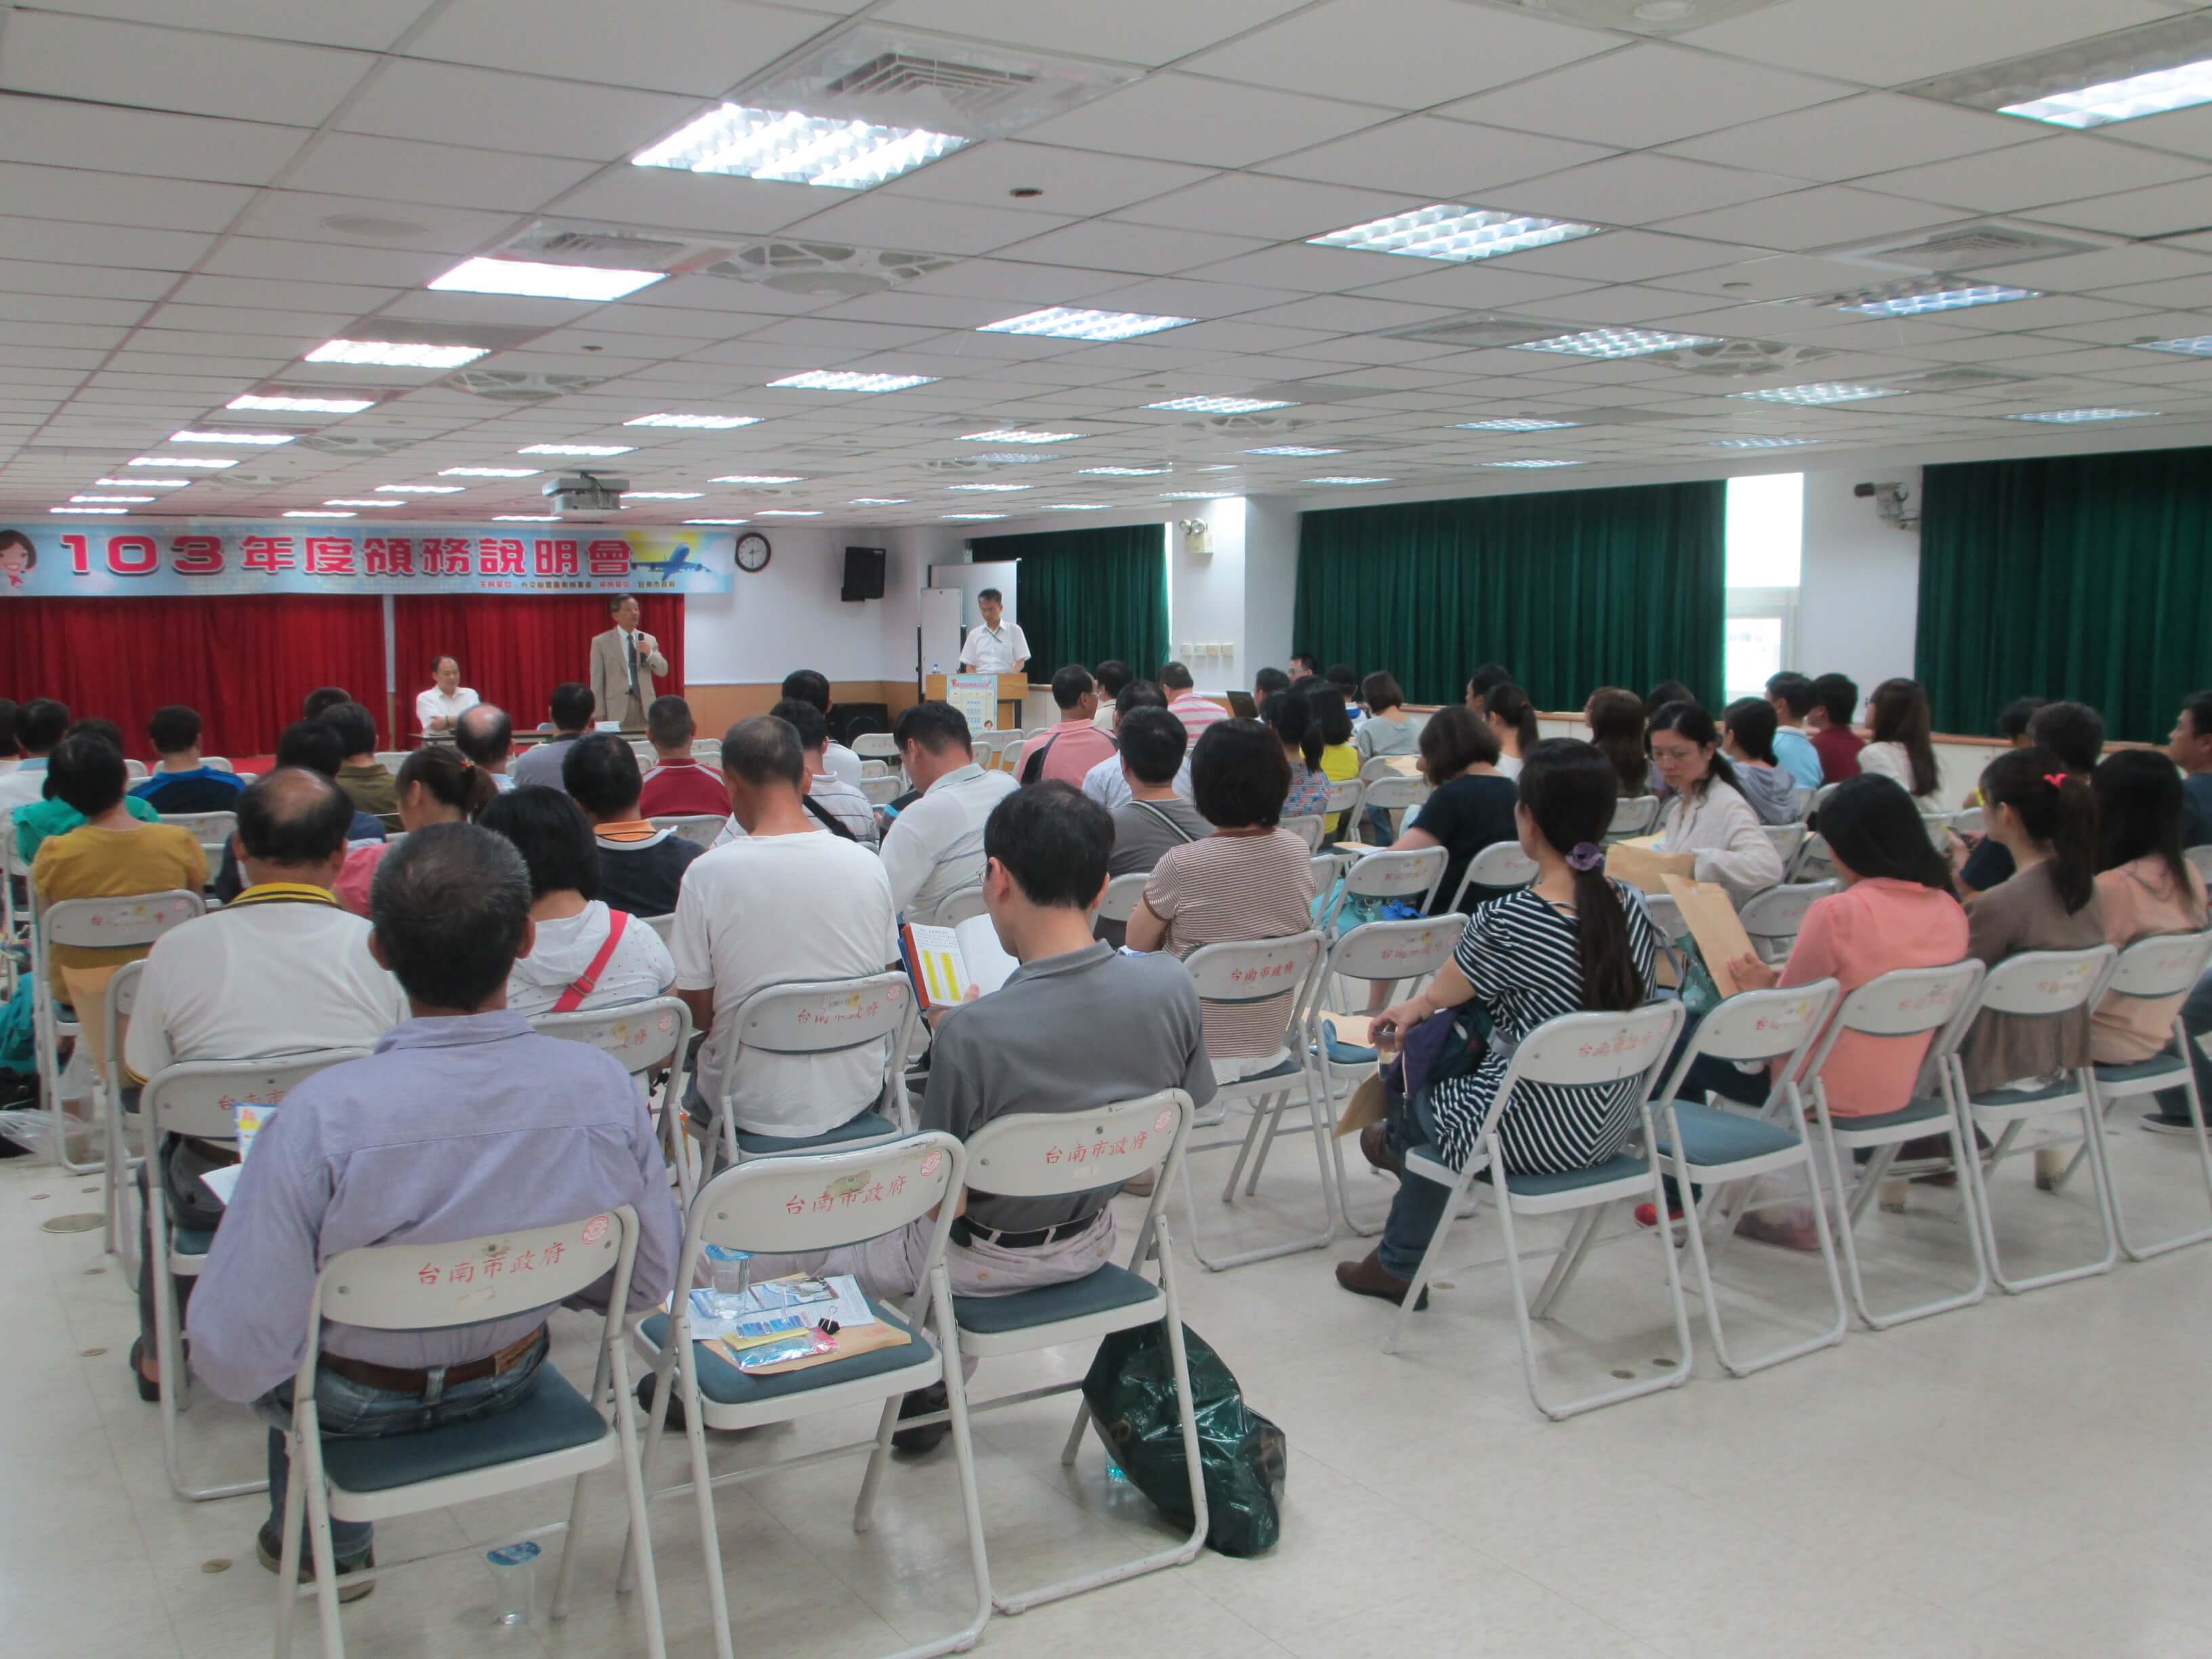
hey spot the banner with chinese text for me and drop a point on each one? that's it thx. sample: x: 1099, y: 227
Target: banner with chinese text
x: 183, y: 557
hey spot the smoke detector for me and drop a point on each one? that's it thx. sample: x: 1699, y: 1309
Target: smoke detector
x: 824, y: 268
x: 1967, y: 247
x: 516, y: 385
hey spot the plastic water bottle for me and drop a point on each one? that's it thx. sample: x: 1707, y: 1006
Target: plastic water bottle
x: 1116, y: 1475
x: 730, y: 1274
x: 515, y: 1584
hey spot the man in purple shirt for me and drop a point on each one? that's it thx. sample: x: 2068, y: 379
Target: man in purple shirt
x: 464, y: 1122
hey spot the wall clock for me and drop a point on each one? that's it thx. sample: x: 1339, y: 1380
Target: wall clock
x: 752, y: 552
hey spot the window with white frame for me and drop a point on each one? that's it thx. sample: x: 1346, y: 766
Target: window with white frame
x: 1766, y: 538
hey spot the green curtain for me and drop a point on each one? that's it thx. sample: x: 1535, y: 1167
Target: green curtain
x: 2082, y: 577
x: 1570, y: 589
x: 1087, y: 595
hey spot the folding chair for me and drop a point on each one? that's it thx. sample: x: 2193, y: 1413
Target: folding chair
x: 1938, y: 826
x: 876, y: 745
x: 1634, y: 815
x: 644, y: 1036
x: 1392, y: 793
x: 1786, y: 838
x: 1801, y: 800
x: 135, y: 771
x: 2163, y: 965
x: 1242, y: 973
x: 199, y: 1099
x: 816, y: 1017
x: 708, y: 752
x: 882, y: 791
x: 1308, y: 827
x: 392, y: 759
x: 957, y: 906
x: 552, y: 1434
x: 874, y: 768
x: 1968, y: 822
x: 798, y: 1206
x: 1902, y: 1003
x: 2037, y: 985
x: 1574, y: 1049
x: 1119, y: 901
x: 1812, y: 862
x: 663, y: 926
x: 1500, y: 865
x: 1389, y: 953
x: 116, y: 1157
x: 700, y: 828
x: 1773, y: 918
x: 1719, y: 1147
x: 1342, y: 807
x: 1385, y: 876
x: 133, y: 922
x: 213, y: 830
x: 1052, y: 1155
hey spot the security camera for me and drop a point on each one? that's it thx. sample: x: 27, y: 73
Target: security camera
x: 1889, y: 500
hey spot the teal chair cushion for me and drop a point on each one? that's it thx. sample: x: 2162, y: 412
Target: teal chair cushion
x: 869, y: 1126
x: 724, y: 1384
x: 1288, y: 1066
x: 2142, y: 1071
x: 191, y: 1241
x: 1712, y: 1137
x: 1344, y: 1054
x: 1099, y: 1291
x: 1549, y: 1185
x: 1927, y: 1109
x: 551, y: 1417
x: 2058, y: 1091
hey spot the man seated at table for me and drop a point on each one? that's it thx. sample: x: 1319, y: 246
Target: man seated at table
x: 1079, y: 1026
x: 935, y: 847
x: 38, y: 821
x: 679, y: 786
x: 1068, y: 750
x: 310, y: 744
x: 464, y: 1123
x: 571, y: 706
x: 180, y: 782
x: 787, y: 903
x: 365, y: 779
x: 641, y: 868
x: 485, y: 736
x: 279, y: 971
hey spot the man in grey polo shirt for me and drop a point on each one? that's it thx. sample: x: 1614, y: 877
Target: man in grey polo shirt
x: 1076, y: 1026
x: 935, y: 847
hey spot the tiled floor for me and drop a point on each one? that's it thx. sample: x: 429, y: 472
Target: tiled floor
x: 2024, y: 1479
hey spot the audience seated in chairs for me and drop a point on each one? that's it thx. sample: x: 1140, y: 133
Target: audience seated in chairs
x: 586, y: 956
x: 1835, y: 700
x: 1388, y: 730
x: 804, y: 685
x: 179, y: 782
x: 1790, y: 696
x: 1471, y: 805
x: 1076, y: 1026
x: 1068, y: 750
x: 2074, y: 734
x: 363, y: 776
x: 1576, y: 940
x: 1615, y: 718
x: 1901, y: 747
x: 677, y: 786
x: 1155, y: 818
x: 2145, y: 885
x: 1748, y: 731
x: 1111, y: 675
x: 1196, y: 713
x: 835, y: 803
x: 311, y: 743
x: 320, y: 700
x: 1291, y: 718
x: 40, y: 724
x: 935, y: 847
x: 464, y: 1122
x: 485, y: 736
x: 640, y: 866
x: 280, y: 970
x: 539, y: 765
x: 38, y: 820
x: 1106, y: 782
x: 1707, y: 813
x: 786, y: 903
x: 436, y: 785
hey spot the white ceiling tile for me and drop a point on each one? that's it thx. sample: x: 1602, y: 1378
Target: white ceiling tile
x: 1319, y: 270
x: 117, y: 198
x: 311, y: 262
x: 35, y: 277
x: 705, y: 203
x: 1104, y: 244
x: 1075, y: 182
x: 1627, y: 255
x: 1347, y: 313
x: 2079, y: 273
x: 1188, y: 297
x: 171, y: 69
x: 1636, y: 190
x: 2159, y: 211
x: 1888, y: 43
x: 1646, y: 95
x: 2184, y: 293
x: 1775, y: 277
x: 1181, y: 118
x: 402, y: 170
x: 62, y: 134
x: 2056, y: 169
x: 1150, y: 32
x: 446, y: 103
x: 930, y: 227
x: 372, y: 24
x: 1486, y: 285
x: 1605, y: 306
x: 1273, y: 210
x: 1443, y: 160
x: 68, y: 308
x: 1830, y: 215
x: 1406, y: 53
x: 702, y: 48
x: 1873, y: 132
x: 253, y: 292
x: 303, y: 216
x: 2188, y: 130
x: 103, y: 244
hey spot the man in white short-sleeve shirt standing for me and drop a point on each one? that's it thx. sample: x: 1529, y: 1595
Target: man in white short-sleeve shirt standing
x: 785, y: 904
x: 935, y: 847
x: 994, y: 646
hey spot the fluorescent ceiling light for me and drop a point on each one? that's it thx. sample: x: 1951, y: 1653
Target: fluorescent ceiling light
x: 662, y: 494
x: 796, y: 149
x: 975, y: 515
x: 1074, y: 507
x: 1820, y: 392
x: 204, y: 463
x: 878, y: 501
x: 307, y: 513
x: 2126, y: 100
x: 756, y: 478
x: 115, y: 500
x: 1445, y: 231
x: 384, y: 354
x: 362, y: 501
x: 525, y: 518
x: 1532, y: 463
x: 718, y: 520
x: 259, y: 440
x: 1344, y: 481
x: 1007, y: 458
x: 1072, y: 322
x: 702, y: 422
x: 1198, y: 495
x: 1002, y: 436
x: 790, y: 513
x: 1514, y: 424
x: 534, y: 281
x: 1761, y: 443
x: 2075, y: 417
x: 1123, y: 471
x: 2201, y: 346
x: 1293, y: 449
x: 1936, y: 293
x: 843, y: 379
x: 112, y: 512
x: 145, y: 484
x: 576, y: 449
x: 992, y: 488
x: 420, y: 489
x: 1222, y: 405
x: 1616, y: 342
x: 257, y: 404
x: 488, y: 472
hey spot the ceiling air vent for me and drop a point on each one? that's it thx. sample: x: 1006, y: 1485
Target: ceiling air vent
x: 905, y: 78
x: 1963, y: 378
x: 2100, y: 58
x: 1730, y: 360
x: 1321, y: 392
x: 1237, y: 426
x: 1476, y: 331
x: 609, y: 247
x: 246, y: 482
x: 823, y: 267
x: 353, y: 446
x: 1968, y: 247
x: 515, y: 386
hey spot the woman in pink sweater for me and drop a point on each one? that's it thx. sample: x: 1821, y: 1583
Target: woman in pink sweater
x: 2144, y: 886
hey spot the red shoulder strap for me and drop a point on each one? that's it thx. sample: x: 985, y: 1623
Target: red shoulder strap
x: 588, y: 981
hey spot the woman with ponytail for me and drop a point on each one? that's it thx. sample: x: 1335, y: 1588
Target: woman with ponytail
x: 1575, y: 941
x: 1513, y: 718
x: 435, y: 785
x: 1290, y: 717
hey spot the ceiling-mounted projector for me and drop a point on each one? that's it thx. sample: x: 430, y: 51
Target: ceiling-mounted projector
x: 585, y: 495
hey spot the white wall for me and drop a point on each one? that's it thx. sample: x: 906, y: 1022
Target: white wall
x: 789, y: 616
x: 1858, y: 597
x: 1271, y: 578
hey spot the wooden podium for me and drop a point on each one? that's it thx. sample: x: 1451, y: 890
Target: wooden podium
x: 1013, y: 692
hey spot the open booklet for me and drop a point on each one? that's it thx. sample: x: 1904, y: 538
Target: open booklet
x: 946, y: 961
x: 250, y: 1116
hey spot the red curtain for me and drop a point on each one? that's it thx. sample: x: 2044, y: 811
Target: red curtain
x: 513, y: 650
x: 244, y: 663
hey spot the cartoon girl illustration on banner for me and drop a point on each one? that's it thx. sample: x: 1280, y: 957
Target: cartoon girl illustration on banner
x: 17, y: 556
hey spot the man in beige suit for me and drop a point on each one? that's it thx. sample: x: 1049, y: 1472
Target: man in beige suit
x: 624, y: 659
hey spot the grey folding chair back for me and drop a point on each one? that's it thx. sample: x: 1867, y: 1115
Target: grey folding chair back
x: 882, y: 791
x: 645, y: 1038
x: 957, y: 906
x: 876, y: 745
x: 1786, y: 839
x: 213, y: 830
x: 1773, y: 918
x: 1407, y: 878
x: 1308, y: 827
x: 1500, y: 865
x: 1119, y: 901
x: 817, y: 1017
x: 699, y: 827
x: 1633, y: 815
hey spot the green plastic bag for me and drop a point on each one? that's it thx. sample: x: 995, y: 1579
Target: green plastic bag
x: 1131, y: 1390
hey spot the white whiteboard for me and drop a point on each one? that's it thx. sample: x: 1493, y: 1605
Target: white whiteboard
x: 972, y: 579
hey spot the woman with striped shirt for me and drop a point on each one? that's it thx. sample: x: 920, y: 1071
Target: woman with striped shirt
x: 1573, y: 942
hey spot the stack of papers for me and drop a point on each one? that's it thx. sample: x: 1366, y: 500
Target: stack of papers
x: 776, y: 1306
